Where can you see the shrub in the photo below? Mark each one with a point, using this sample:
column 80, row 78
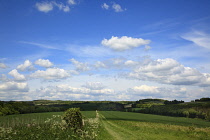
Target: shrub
column 73, row 118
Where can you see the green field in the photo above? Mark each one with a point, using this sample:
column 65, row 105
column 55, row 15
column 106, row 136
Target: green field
column 136, row 126
column 110, row 125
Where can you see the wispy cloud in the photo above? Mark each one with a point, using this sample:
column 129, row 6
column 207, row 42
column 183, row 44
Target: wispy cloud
column 71, row 2
column 45, row 46
column 199, row 38
column 116, row 7
column 3, row 66
column 105, row 6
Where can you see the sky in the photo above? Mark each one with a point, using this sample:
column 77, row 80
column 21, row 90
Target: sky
column 96, row 50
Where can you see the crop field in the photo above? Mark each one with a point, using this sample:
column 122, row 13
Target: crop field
column 104, row 125
column 136, row 126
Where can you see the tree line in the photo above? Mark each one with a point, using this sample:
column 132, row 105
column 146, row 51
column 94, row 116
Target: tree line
column 18, row 107
column 199, row 108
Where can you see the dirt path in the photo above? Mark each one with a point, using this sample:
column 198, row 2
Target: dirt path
column 116, row 131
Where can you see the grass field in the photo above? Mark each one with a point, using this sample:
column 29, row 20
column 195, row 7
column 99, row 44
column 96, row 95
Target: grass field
column 136, row 126
column 107, row 125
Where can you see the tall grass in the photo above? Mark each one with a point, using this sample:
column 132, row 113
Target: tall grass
column 45, row 126
column 137, row 126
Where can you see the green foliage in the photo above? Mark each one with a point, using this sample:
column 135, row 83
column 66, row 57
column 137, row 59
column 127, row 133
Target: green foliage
column 203, row 100
column 46, row 126
column 147, row 105
column 150, row 100
column 73, row 118
column 173, row 102
column 180, row 110
column 110, row 107
column 20, row 107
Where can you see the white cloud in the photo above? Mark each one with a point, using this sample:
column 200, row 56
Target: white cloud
column 71, row 2
column 199, row 38
column 79, row 65
column 169, row 71
column 51, row 74
column 3, row 66
column 17, row 76
column 124, row 43
column 61, row 6
column 117, row 8
column 44, row 63
column 65, row 91
column 14, row 86
column 66, row 9
column 45, row 46
column 44, row 6
column 3, row 77
column 144, row 89
column 131, row 63
column 26, row 66
column 105, row 6
column 49, row 6
column 94, row 85
column 99, row 64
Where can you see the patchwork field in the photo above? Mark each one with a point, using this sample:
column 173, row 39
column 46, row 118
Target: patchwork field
column 110, row 125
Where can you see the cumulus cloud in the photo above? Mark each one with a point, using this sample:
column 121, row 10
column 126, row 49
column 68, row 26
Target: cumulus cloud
column 26, row 66
column 83, row 90
column 146, row 91
column 105, row 6
column 3, row 66
column 117, row 8
column 71, row 2
column 65, row 91
column 199, row 38
column 124, row 43
column 44, row 63
column 94, row 85
column 17, row 76
column 51, row 74
column 44, row 6
column 49, row 6
column 81, row 67
column 14, row 86
column 131, row 63
column 145, row 88
column 169, row 71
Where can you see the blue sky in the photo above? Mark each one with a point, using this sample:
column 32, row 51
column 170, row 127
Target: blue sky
column 104, row 50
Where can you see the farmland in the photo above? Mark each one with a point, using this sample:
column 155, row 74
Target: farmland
column 109, row 125
column 123, row 125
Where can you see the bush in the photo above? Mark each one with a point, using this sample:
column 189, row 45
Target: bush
column 73, row 118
